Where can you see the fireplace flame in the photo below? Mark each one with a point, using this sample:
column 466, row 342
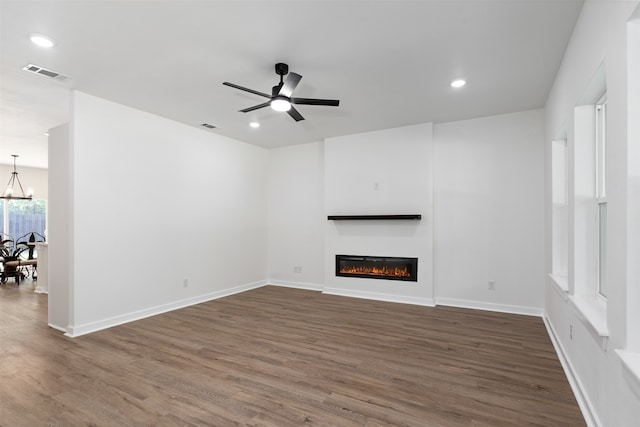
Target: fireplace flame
column 376, row 271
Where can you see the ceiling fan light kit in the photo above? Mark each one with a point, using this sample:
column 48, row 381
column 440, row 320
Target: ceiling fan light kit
column 280, row 103
column 281, row 95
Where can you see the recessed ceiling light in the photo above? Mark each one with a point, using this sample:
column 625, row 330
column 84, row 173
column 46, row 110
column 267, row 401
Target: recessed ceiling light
column 41, row 40
column 254, row 125
column 458, row 83
column 45, row 133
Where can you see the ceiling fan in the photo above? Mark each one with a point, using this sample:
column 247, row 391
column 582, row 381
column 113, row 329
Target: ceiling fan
column 280, row 98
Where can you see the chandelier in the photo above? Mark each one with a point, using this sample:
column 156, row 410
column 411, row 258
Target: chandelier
column 10, row 191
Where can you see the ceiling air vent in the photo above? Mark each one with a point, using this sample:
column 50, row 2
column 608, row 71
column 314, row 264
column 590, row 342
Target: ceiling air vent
column 208, row 126
column 43, row 71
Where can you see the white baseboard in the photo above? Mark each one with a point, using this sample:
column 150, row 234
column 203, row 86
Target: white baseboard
column 59, row 328
column 379, row 296
column 296, row 285
column 588, row 412
column 354, row 294
column 76, row 331
column 489, row 306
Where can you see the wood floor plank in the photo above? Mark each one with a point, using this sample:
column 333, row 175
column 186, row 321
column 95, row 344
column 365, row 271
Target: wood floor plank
column 282, row 357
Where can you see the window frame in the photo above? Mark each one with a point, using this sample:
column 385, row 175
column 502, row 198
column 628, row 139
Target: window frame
column 600, row 131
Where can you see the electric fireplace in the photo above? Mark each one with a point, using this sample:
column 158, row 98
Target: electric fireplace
column 377, row 267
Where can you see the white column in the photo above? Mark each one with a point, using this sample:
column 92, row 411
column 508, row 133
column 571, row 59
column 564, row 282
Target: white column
column 43, row 268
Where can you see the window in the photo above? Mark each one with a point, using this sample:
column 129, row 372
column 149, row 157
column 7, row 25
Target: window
column 601, row 190
column 590, row 209
column 20, row 217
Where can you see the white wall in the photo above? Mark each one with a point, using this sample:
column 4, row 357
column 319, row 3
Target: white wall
column 156, row 202
column 382, row 172
column 633, row 189
column 296, row 215
column 58, row 227
column 489, row 212
column 603, row 386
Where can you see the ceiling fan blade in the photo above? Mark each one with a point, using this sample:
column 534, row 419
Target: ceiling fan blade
column 295, row 114
column 313, row 101
column 289, row 85
column 246, row 89
column 255, row 107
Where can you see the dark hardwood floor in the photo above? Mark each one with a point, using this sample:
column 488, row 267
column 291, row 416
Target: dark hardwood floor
column 282, row 357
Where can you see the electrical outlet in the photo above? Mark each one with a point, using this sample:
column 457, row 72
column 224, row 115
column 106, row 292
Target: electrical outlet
column 376, row 186
column 492, row 285
column 297, row 269
column 185, row 283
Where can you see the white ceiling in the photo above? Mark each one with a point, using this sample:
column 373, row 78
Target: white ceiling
column 389, row 62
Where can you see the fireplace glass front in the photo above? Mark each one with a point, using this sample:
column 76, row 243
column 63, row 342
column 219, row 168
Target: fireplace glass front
column 377, row 267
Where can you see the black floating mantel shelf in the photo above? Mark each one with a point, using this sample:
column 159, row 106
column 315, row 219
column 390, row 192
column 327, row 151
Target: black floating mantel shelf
column 372, row 217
